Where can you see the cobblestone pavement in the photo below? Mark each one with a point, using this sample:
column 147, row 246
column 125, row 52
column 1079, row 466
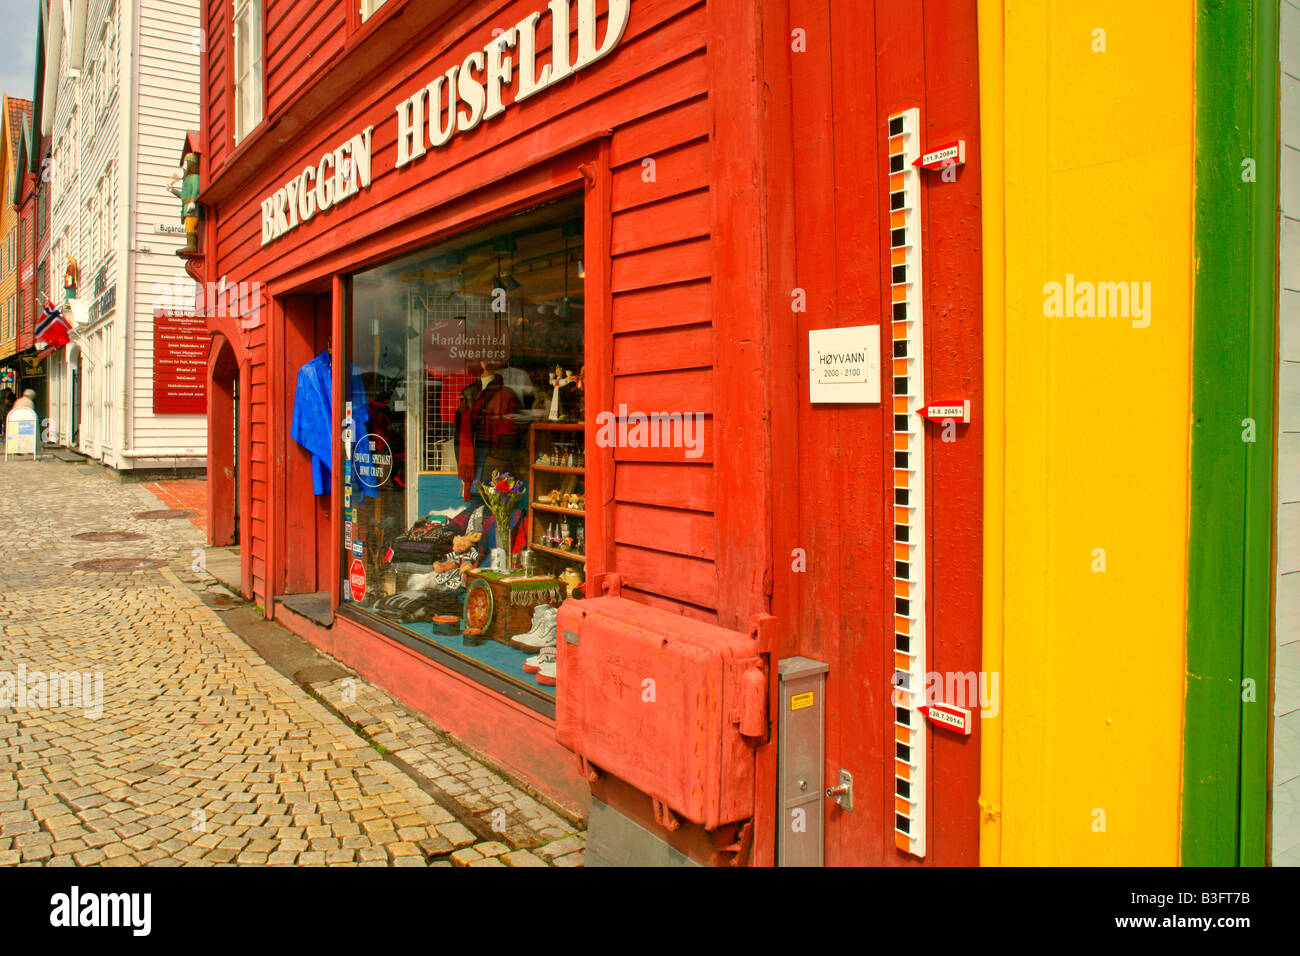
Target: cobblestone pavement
column 184, row 746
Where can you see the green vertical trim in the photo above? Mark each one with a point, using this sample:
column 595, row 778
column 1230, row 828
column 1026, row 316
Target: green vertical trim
column 1257, row 603
column 1230, row 522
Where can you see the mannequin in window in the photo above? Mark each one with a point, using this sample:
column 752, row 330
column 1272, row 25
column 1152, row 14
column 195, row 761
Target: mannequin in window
column 560, row 379
column 488, row 435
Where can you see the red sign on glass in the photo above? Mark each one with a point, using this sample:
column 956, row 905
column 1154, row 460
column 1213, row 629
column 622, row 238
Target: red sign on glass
column 180, row 364
column 357, row 579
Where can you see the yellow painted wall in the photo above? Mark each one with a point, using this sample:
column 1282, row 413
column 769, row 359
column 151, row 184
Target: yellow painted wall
column 8, row 223
column 1087, row 166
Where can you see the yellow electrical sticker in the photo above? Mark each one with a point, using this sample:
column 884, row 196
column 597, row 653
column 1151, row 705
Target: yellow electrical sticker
column 800, row 701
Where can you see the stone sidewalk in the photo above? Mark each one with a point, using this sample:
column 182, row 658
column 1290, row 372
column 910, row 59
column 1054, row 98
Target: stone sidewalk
column 166, row 740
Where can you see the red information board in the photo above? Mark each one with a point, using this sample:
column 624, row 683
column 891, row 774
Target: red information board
column 180, row 363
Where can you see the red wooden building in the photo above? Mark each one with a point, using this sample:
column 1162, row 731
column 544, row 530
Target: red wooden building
column 31, row 200
column 449, row 209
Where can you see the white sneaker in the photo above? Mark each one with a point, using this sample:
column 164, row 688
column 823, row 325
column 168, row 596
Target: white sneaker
column 543, row 632
column 546, row 669
column 544, row 656
column 538, row 613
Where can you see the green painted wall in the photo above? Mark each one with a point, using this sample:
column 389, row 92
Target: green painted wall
column 1233, row 372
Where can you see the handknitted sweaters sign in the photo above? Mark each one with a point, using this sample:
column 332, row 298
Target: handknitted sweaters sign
column 454, row 101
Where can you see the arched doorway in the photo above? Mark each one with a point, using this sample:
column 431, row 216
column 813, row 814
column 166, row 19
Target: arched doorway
column 223, row 444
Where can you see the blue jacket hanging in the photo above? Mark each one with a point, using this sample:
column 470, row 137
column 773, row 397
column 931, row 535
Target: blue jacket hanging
column 313, row 421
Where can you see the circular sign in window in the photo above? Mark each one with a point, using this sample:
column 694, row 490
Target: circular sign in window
column 372, row 461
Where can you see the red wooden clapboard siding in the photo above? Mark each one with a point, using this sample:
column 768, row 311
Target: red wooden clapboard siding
column 301, row 35
column 652, row 135
column 954, row 350
column 216, row 126
column 671, row 220
column 667, row 485
column 653, row 350
column 661, row 266
column 688, row 533
column 689, row 390
column 687, row 580
column 662, row 307
column 667, row 604
column 672, row 455
column 675, row 171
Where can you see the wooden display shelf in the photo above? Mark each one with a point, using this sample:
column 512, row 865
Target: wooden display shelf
column 560, row 510
column 540, row 511
column 557, row 552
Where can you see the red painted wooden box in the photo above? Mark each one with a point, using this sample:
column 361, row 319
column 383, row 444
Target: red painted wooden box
column 660, row 701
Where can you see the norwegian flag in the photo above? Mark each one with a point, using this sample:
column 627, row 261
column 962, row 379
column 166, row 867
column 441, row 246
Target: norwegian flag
column 52, row 329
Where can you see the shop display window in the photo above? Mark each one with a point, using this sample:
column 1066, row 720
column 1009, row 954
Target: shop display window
column 464, row 509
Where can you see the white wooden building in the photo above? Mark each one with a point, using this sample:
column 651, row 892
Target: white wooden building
column 120, row 89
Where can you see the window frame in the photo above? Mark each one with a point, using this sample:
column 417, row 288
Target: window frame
column 108, row 42
column 251, row 12
column 368, row 8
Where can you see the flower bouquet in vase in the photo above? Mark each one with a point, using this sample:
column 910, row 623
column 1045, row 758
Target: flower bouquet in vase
column 502, row 493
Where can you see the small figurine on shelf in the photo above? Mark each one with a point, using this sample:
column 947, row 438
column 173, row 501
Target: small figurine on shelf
column 572, row 579
column 559, row 379
column 577, row 397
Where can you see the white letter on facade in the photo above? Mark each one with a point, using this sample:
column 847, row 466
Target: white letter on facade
column 324, row 183
column 437, row 134
column 500, row 69
column 306, row 194
column 410, row 130
column 529, row 82
column 560, row 67
column 614, row 27
column 268, row 222
column 471, row 91
column 360, row 149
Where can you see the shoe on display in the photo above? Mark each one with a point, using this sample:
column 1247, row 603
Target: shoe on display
column 546, row 637
column 544, row 656
column 542, row 633
column 546, row 670
column 539, row 612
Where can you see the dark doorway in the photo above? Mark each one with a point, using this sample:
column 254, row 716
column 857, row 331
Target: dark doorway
column 306, row 556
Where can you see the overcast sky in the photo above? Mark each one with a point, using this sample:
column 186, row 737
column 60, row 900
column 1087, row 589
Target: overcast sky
column 18, row 47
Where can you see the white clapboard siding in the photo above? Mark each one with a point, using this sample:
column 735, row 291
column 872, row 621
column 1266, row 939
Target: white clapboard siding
column 167, row 106
column 137, row 132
